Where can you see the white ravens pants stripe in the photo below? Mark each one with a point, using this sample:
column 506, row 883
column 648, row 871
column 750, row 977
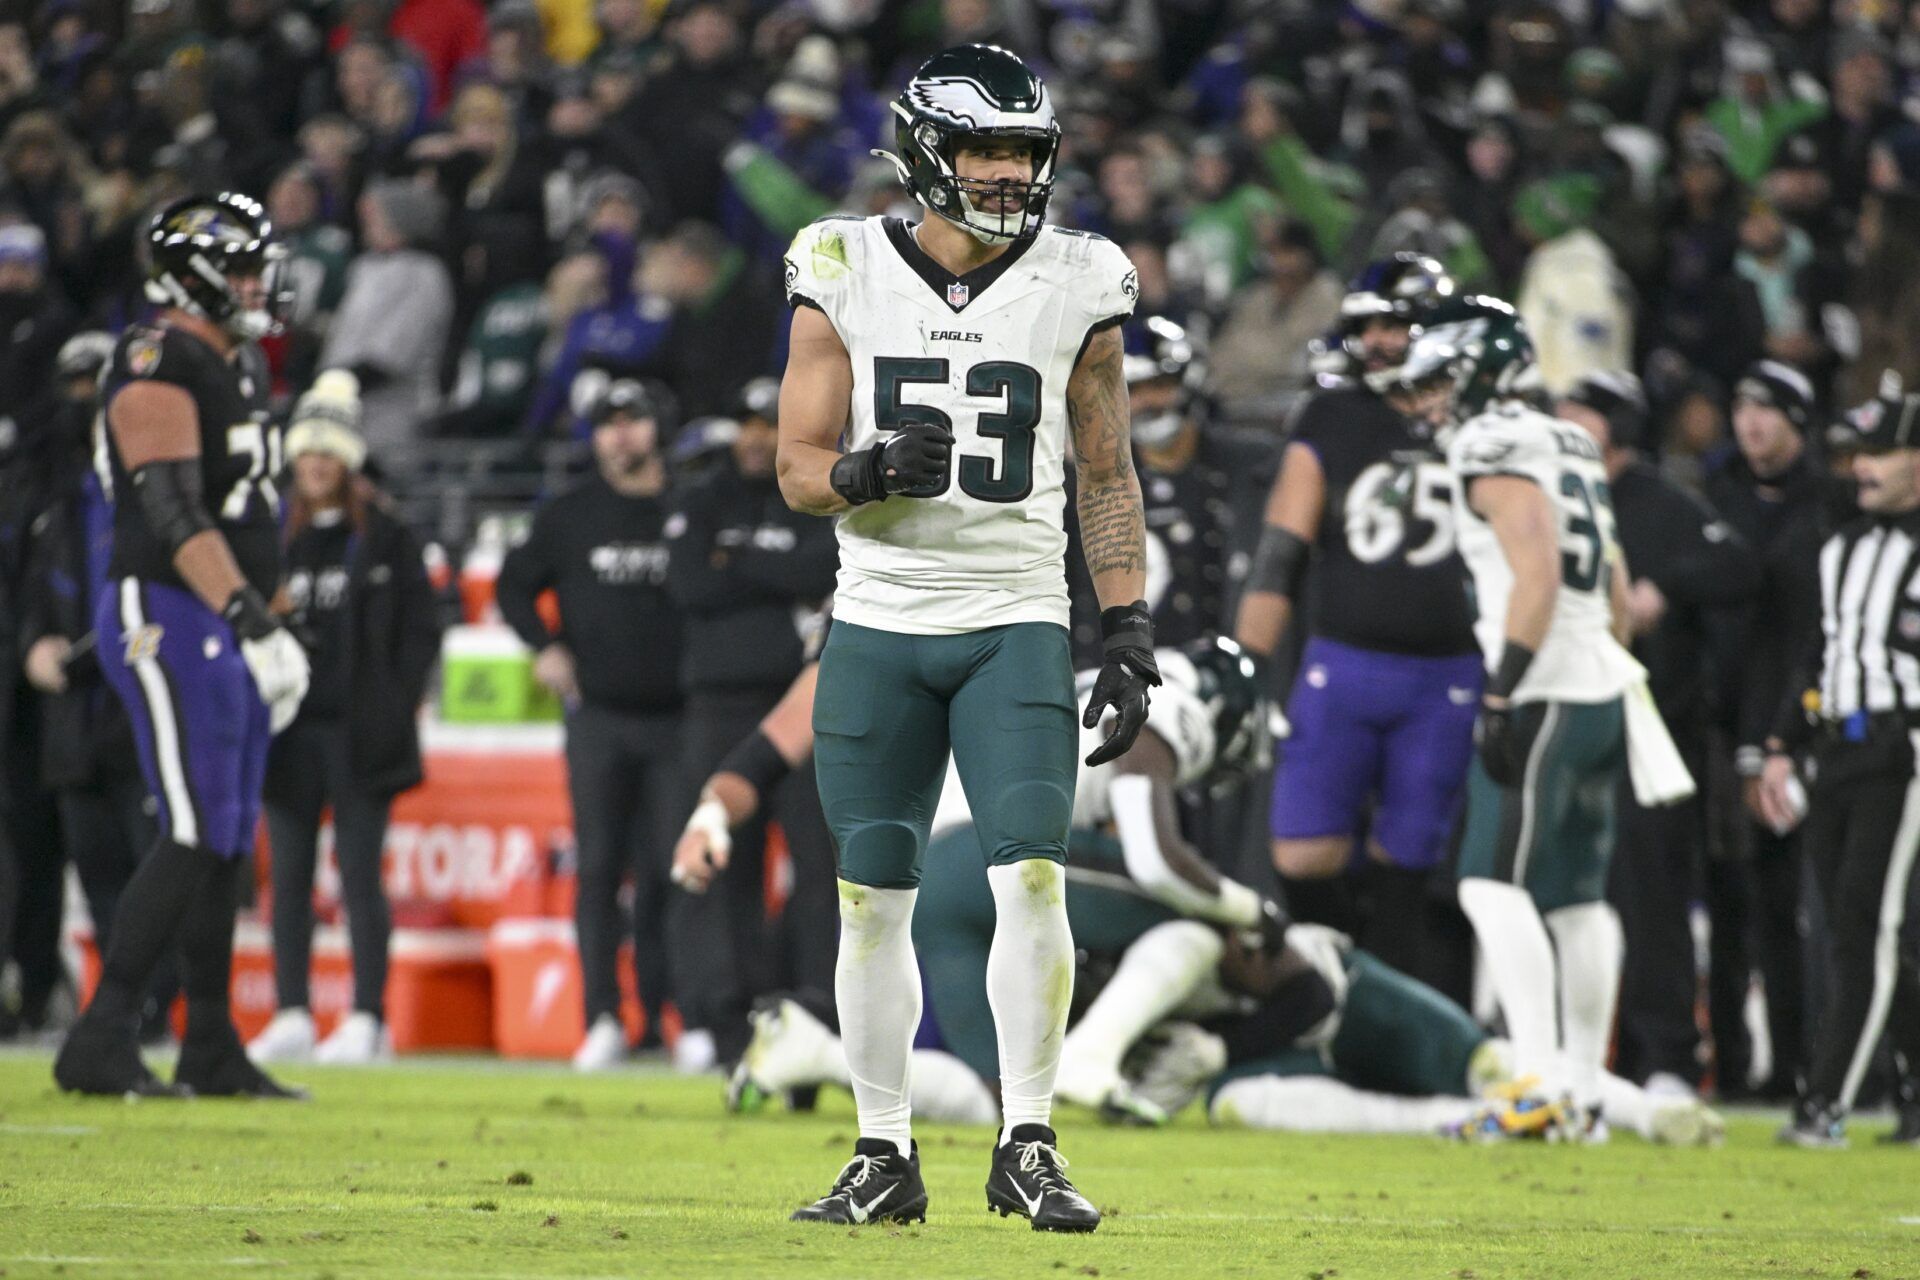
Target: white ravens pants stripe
column 158, row 695
column 1886, row 940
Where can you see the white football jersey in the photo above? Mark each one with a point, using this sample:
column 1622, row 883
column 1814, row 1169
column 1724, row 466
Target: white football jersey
column 986, row 355
column 1579, row 661
column 1175, row 715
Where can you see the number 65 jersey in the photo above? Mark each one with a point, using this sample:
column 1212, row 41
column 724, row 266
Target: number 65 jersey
column 986, row 355
column 1579, row 661
column 239, row 454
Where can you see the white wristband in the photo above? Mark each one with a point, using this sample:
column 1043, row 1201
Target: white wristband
column 710, row 819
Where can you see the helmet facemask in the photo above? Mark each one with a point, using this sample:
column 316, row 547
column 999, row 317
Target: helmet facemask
column 969, row 202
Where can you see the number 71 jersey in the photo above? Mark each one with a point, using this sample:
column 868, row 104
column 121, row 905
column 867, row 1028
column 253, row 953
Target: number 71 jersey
column 986, row 355
column 1580, row 661
column 239, row 453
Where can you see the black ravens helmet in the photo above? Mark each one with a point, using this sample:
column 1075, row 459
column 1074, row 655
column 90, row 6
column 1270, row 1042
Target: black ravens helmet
column 1405, row 287
column 975, row 91
column 200, row 248
column 1227, row 683
column 1158, row 348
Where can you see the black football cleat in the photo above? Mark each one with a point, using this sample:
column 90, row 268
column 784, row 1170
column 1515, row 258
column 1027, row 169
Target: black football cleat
column 1029, row 1179
column 1814, row 1126
column 1907, row 1132
column 878, row 1185
column 104, row 1060
column 218, row 1067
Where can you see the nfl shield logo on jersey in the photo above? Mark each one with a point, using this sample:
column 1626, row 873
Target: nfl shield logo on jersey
column 956, row 295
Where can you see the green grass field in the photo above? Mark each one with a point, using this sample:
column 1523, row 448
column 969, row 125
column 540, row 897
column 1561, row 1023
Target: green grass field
column 472, row 1170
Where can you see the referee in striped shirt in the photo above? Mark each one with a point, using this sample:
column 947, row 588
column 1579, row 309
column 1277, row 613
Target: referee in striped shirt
column 1855, row 725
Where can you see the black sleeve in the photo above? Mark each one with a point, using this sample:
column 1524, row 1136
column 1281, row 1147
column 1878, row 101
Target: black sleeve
column 1784, row 651
column 805, row 573
column 692, row 580
column 152, row 354
column 1314, row 426
column 34, row 594
column 416, row 626
column 529, row 569
column 1703, row 561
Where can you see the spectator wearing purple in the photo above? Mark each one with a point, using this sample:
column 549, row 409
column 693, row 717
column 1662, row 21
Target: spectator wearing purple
column 797, row 158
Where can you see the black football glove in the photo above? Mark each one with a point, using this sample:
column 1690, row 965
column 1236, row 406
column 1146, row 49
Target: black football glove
column 1124, row 676
column 912, row 461
column 1497, row 739
column 1274, row 923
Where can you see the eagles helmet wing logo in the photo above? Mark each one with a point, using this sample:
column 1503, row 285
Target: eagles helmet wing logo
column 966, row 103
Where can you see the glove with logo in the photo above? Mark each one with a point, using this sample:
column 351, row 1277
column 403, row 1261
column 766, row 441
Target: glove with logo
column 1124, row 678
column 278, row 663
column 913, row 462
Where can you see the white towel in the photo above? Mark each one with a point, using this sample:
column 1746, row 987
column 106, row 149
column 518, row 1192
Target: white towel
column 1660, row 776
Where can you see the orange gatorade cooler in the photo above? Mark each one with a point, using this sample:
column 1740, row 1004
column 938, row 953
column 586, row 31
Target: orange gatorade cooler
column 537, row 989
column 439, row 990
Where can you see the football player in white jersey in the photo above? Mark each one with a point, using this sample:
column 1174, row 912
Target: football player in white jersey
column 1536, row 530
column 936, row 373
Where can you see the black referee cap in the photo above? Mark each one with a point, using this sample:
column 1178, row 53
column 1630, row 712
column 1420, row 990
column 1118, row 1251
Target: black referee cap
column 1617, row 396
column 1778, row 386
column 1887, row 422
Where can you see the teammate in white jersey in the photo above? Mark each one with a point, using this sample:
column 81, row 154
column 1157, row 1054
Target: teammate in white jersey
column 1536, row 530
column 937, row 370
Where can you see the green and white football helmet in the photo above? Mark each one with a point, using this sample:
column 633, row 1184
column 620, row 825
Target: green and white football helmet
column 1476, row 345
column 974, row 91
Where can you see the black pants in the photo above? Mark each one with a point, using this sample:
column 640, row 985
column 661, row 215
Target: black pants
column 1752, row 888
column 736, row 952
column 629, row 788
column 108, row 828
column 307, row 771
column 1652, row 885
column 1861, row 835
column 30, row 829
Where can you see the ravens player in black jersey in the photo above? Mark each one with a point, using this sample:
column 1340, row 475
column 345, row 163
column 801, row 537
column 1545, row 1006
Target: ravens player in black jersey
column 186, row 639
column 1383, row 706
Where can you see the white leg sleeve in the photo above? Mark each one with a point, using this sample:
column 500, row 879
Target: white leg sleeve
column 1320, row 1104
column 1029, row 984
column 1156, row 976
column 876, row 985
column 1519, row 958
column 1592, row 950
column 947, row 1091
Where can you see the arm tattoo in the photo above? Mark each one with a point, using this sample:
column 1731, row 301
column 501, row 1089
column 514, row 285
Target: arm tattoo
column 1112, row 525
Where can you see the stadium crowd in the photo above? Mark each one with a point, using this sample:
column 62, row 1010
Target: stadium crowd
column 555, row 230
